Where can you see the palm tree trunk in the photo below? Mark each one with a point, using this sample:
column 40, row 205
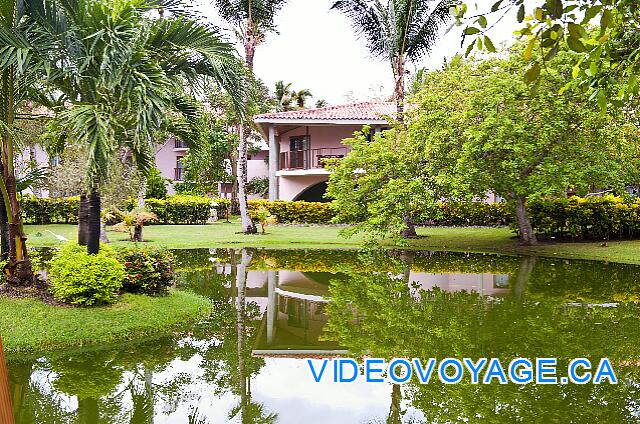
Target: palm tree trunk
column 18, row 268
column 93, row 241
column 6, row 410
column 83, row 220
column 398, row 92
column 4, row 231
column 248, row 227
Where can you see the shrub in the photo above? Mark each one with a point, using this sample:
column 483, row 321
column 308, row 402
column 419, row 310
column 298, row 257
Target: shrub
column 294, row 212
column 148, row 271
column 588, row 218
column 156, row 187
column 182, row 209
column 265, row 218
column 49, row 210
column 82, row 279
column 466, row 214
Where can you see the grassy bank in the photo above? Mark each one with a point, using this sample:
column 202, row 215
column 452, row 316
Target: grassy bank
column 29, row 325
column 493, row 240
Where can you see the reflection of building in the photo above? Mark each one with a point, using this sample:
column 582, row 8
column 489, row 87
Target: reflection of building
column 485, row 284
column 294, row 319
column 294, row 313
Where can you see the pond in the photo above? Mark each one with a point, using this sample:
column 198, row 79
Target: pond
column 274, row 309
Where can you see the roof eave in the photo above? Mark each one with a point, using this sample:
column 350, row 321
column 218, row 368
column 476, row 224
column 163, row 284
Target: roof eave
column 320, row 121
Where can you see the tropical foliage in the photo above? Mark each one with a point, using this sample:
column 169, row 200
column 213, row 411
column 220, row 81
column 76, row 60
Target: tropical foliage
column 602, row 33
column 484, row 131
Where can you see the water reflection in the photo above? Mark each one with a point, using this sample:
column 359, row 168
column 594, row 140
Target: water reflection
column 272, row 309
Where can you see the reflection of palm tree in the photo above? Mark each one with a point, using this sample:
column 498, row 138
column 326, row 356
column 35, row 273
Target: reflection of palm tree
column 250, row 412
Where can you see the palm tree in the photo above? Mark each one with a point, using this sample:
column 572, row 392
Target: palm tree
column 284, row 96
column 18, row 70
column 301, row 97
column 398, row 31
column 120, row 72
column 253, row 20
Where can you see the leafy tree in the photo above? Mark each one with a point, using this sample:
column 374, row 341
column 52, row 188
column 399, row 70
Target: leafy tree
column 398, row 31
column 119, row 69
column 379, row 183
column 483, row 130
column 206, row 163
column 605, row 34
column 253, row 19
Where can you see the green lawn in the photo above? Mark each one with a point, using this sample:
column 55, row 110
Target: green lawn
column 496, row 240
column 28, row 325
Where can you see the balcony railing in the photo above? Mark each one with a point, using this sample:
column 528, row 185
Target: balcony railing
column 311, row 158
column 179, row 144
column 178, row 174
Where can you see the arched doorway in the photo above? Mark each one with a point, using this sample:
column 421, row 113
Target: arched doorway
column 314, row 193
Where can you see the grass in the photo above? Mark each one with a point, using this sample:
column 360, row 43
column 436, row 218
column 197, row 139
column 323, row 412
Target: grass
column 471, row 239
column 28, row 325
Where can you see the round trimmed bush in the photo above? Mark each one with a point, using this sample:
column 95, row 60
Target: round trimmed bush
column 82, row 279
column 149, row 271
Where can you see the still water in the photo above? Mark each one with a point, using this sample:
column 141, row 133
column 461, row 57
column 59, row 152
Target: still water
column 273, row 309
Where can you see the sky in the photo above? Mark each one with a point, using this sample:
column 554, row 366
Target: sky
column 316, row 49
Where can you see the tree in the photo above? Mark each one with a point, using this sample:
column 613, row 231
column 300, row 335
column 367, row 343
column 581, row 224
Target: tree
column 605, row 34
column 398, row 31
column 379, row 183
column 482, row 130
column 284, row 96
column 18, row 69
column 120, row 72
column 301, row 97
column 206, row 163
column 253, row 20
column 289, row 99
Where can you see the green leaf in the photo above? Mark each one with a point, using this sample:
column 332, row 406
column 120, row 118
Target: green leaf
column 471, row 30
column 529, row 50
column 591, row 13
column 482, row 20
column 521, row 13
column 469, row 49
column 575, row 44
column 489, row 44
column 576, row 30
column 496, row 5
column 532, row 73
column 555, row 7
column 606, row 19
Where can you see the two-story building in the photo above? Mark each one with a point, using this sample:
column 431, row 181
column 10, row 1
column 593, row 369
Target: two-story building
column 299, row 140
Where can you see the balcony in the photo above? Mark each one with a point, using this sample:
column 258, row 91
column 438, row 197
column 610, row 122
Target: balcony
column 180, row 145
column 309, row 159
column 178, row 174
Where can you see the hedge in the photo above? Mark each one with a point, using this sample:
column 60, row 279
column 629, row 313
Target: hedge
column 295, row 212
column 587, row 218
column 182, row 209
column 459, row 214
column 49, row 210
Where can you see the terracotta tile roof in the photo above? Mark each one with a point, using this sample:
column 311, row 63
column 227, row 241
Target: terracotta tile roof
column 354, row 111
